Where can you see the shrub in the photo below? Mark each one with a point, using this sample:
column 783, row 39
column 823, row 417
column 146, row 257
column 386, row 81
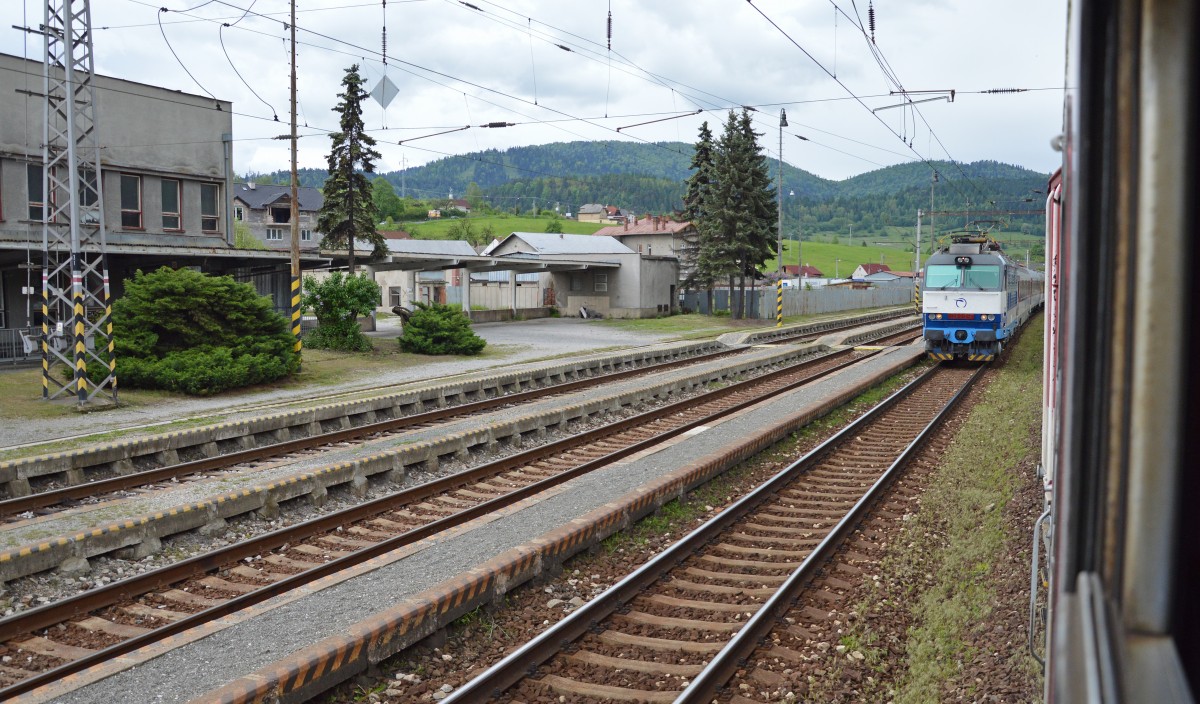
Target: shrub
column 184, row 331
column 435, row 328
column 338, row 300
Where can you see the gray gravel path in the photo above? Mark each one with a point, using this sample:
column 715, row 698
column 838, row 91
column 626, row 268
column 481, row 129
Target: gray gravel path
column 525, row 340
column 187, row 672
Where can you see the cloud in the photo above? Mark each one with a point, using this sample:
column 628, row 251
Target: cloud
column 455, row 66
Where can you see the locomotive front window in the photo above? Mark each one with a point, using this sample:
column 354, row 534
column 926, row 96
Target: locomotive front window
column 980, row 277
column 984, row 278
column 941, row 276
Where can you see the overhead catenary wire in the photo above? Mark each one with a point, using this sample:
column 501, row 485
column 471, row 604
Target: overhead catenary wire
column 846, row 88
column 567, row 116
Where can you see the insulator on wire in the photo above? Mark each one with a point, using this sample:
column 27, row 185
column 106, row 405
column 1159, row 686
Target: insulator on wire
column 871, row 20
column 385, row 46
column 610, row 30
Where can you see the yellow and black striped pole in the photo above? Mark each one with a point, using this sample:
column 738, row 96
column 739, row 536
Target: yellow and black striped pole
column 108, row 330
column 81, row 380
column 45, row 334
column 299, row 344
column 779, row 303
column 917, row 294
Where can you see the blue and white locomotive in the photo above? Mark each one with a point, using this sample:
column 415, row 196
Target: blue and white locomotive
column 973, row 299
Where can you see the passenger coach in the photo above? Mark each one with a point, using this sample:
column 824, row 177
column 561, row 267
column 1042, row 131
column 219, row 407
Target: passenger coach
column 974, row 298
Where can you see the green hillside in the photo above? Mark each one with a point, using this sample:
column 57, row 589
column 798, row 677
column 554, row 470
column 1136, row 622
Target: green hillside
column 649, row 178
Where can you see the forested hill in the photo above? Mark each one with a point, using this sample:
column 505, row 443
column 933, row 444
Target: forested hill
column 646, row 177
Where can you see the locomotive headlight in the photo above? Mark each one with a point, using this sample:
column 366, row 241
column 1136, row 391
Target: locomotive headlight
column 938, row 316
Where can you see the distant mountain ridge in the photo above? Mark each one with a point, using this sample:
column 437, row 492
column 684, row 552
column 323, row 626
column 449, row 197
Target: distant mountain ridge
column 646, row 177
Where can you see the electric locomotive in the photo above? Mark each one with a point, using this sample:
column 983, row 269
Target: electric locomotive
column 974, row 298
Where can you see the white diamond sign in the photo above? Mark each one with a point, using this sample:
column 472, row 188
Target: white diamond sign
column 385, row 91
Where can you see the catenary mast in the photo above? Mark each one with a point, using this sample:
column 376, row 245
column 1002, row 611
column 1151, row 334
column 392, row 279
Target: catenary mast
column 76, row 302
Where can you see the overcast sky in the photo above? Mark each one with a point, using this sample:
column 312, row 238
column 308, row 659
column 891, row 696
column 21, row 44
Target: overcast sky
column 455, row 66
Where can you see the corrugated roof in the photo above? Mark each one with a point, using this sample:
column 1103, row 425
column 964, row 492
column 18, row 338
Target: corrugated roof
column 263, row 196
column 449, row 248
column 554, row 243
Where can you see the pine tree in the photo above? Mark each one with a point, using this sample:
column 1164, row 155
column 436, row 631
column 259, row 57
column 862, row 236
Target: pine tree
column 735, row 215
column 349, row 211
column 696, row 203
column 758, row 230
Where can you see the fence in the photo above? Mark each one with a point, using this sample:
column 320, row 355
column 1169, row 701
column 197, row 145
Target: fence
column 12, row 347
column 760, row 302
column 493, row 296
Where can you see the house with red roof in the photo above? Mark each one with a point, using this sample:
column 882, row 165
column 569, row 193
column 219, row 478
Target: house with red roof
column 865, row 270
column 808, row 271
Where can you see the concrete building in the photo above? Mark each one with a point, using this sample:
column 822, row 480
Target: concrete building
column 618, row 282
column 655, row 236
column 591, row 212
column 266, row 211
column 166, row 179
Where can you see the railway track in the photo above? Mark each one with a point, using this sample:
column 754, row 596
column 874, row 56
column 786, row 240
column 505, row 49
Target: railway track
column 68, row 496
column 55, row 640
column 51, row 497
column 679, row 627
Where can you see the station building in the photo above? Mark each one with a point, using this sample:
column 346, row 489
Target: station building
column 527, row 274
column 166, row 179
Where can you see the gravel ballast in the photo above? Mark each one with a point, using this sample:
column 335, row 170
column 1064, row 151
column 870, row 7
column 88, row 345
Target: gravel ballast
column 246, row 646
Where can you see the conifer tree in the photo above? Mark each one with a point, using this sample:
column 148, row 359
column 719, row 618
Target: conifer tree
column 758, row 226
column 696, row 203
column 349, row 211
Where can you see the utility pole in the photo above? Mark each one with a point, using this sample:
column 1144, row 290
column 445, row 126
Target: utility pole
column 779, row 203
column 294, row 216
column 932, row 230
column 917, row 261
column 75, row 285
column 779, row 190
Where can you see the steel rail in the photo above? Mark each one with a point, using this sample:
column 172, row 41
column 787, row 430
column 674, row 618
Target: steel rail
column 496, row 679
column 13, row 506
column 58, row 612
column 704, row 686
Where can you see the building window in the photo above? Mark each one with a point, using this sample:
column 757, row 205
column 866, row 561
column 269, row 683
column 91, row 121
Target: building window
column 131, row 202
column 274, row 234
column 89, row 197
column 170, row 204
column 210, row 213
column 306, row 235
column 281, row 215
column 36, row 201
column 600, row 283
column 238, row 213
column 576, row 282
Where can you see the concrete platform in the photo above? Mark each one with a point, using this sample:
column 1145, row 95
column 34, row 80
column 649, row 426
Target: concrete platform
column 289, row 648
column 41, row 544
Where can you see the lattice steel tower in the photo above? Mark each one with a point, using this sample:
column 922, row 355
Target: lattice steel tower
column 76, row 304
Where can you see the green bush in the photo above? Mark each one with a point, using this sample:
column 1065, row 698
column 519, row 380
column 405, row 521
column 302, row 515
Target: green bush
column 435, row 328
column 338, row 300
column 342, row 335
column 184, row 331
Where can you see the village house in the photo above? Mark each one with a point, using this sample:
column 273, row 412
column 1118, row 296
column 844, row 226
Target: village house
column 266, row 211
